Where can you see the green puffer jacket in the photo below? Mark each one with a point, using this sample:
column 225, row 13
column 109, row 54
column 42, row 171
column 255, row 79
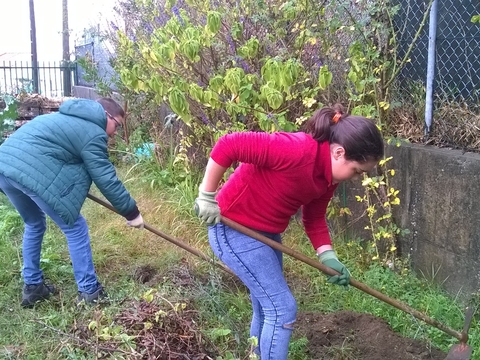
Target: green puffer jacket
column 57, row 156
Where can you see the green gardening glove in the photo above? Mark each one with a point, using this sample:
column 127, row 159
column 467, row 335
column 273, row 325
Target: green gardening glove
column 206, row 207
column 329, row 258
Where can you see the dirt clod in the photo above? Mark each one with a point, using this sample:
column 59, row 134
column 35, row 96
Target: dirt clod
column 143, row 274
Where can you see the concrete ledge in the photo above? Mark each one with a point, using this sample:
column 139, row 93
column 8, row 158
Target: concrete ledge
column 440, row 205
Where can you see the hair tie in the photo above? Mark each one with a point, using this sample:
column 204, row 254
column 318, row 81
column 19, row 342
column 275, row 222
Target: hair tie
column 336, row 117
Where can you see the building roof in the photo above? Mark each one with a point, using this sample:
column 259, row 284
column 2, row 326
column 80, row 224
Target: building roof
column 15, row 56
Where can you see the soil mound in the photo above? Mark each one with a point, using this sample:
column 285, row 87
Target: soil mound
column 348, row 335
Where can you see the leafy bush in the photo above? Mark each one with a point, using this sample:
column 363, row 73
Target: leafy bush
column 226, row 66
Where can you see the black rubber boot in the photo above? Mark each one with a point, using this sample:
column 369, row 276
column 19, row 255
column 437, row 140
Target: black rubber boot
column 35, row 293
column 97, row 297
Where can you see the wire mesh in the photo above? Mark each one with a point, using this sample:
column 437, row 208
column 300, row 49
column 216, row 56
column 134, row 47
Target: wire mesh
column 457, row 46
column 84, row 51
column 97, row 52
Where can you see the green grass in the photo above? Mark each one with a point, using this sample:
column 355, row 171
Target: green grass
column 53, row 329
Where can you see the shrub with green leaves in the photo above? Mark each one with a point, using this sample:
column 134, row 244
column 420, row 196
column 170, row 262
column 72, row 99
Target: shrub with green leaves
column 225, row 66
column 246, row 65
column 259, row 65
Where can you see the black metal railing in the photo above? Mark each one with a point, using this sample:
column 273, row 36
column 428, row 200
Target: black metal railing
column 55, row 79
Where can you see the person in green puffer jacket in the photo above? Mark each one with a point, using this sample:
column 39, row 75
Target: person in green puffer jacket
column 46, row 168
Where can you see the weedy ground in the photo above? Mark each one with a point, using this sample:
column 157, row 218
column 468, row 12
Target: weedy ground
column 168, row 304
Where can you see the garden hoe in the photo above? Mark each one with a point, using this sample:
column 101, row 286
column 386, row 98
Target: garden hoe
column 460, row 351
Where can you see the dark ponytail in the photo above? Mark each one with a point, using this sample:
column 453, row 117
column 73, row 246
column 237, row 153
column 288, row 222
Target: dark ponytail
column 359, row 136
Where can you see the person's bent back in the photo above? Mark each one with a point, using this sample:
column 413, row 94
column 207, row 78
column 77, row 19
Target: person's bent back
column 47, row 167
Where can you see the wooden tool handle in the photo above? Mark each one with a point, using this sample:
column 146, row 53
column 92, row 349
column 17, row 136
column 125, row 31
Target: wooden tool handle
column 173, row 240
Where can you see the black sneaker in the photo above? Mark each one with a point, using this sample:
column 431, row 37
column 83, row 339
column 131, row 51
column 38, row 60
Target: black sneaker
column 99, row 296
column 34, row 293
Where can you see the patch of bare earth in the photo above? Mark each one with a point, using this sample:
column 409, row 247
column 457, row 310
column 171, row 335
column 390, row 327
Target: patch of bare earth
column 347, row 335
column 162, row 329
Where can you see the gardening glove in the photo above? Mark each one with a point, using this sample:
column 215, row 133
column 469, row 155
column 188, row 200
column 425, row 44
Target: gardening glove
column 329, row 258
column 206, row 207
column 137, row 222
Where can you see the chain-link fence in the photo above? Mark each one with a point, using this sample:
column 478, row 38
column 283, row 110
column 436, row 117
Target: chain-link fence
column 457, row 58
column 97, row 53
column 84, row 51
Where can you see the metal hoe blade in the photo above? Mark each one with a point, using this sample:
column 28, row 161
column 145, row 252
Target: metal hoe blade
column 462, row 351
column 459, row 352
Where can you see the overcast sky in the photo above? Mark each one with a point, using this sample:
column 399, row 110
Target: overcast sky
column 15, row 25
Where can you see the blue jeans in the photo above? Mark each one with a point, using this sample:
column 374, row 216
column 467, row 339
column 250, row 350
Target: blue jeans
column 32, row 209
column 260, row 269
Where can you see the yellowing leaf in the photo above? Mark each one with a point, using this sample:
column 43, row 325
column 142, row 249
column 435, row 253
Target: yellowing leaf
column 367, row 181
column 309, row 102
column 153, row 56
column 384, row 105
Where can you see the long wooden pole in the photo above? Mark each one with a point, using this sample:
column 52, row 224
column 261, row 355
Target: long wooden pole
column 33, row 46
column 67, row 76
column 299, row 256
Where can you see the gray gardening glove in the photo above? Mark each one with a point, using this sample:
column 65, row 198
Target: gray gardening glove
column 137, row 222
column 329, row 258
column 206, row 207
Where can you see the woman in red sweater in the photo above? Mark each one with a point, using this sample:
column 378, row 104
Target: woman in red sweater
column 279, row 174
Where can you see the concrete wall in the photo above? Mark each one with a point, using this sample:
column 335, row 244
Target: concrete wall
column 440, row 205
column 84, row 92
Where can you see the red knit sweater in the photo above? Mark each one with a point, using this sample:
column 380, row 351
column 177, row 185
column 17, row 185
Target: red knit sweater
column 278, row 174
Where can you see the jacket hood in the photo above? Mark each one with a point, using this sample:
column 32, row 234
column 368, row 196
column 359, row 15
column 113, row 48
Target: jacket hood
column 86, row 109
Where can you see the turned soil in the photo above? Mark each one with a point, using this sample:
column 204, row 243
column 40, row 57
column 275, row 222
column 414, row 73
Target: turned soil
column 346, row 335
column 343, row 335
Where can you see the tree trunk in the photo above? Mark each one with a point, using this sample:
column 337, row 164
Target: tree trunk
column 33, row 47
column 67, row 75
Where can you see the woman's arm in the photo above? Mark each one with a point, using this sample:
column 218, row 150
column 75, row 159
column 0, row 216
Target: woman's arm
column 213, row 174
column 206, row 206
column 315, row 222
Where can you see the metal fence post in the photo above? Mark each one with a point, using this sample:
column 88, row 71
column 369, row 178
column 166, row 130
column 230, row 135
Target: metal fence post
column 67, row 78
column 432, row 39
